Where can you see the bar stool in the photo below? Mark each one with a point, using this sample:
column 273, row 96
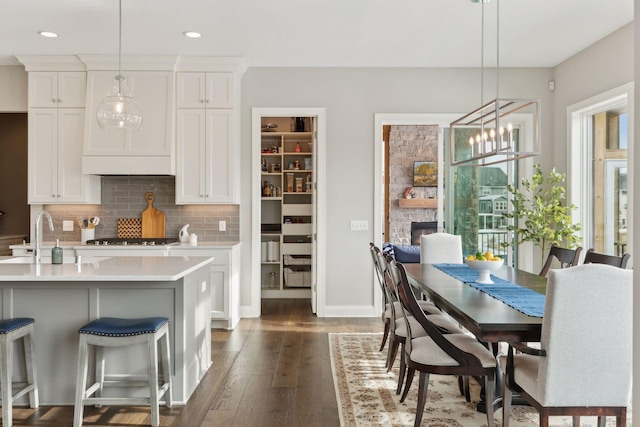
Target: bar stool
column 116, row 332
column 10, row 331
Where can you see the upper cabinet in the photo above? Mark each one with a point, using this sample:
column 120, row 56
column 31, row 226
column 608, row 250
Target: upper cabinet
column 55, row 149
column 208, row 161
column 206, row 90
column 57, row 89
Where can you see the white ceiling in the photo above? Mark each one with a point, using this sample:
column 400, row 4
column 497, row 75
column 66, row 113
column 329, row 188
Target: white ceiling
column 303, row 33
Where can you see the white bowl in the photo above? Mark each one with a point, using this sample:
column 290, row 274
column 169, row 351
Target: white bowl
column 484, row 269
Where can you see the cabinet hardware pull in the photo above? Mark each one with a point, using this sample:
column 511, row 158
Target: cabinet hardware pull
column 53, row 100
column 59, row 100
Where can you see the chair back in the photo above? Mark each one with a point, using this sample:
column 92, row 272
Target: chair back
column 565, row 257
column 373, row 249
column 593, row 257
column 440, row 248
column 587, row 336
column 410, row 305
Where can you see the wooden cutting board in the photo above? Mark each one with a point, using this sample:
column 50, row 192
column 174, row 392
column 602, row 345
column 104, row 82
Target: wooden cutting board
column 153, row 220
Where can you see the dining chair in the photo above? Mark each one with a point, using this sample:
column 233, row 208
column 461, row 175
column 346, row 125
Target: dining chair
column 564, row 256
column 593, row 257
column 397, row 328
column 392, row 309
column 399, row 332
column 385, row 296
column 438, row 353
column 588, row 311
column 440, row 248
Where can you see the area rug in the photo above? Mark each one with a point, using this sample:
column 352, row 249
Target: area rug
column 366, row 393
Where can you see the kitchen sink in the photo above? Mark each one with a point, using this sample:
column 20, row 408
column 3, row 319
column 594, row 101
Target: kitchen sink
column 66, row 260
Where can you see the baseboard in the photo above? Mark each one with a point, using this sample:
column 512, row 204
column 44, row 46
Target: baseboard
column 349, row 311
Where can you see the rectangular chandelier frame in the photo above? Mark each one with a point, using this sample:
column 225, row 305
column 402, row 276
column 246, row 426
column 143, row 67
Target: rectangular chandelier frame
column 496, row 141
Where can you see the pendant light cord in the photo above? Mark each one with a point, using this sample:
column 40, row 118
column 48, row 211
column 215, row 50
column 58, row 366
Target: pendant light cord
column 119, row 37
column 482, row 55
column 497, row 49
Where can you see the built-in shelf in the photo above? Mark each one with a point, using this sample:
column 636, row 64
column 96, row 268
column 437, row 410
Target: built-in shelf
column 418, row 203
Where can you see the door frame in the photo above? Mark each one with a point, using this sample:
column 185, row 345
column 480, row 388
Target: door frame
column 318, row 290
column 580, row 154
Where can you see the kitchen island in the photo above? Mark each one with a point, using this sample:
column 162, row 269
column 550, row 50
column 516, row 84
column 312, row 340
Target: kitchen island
column 62, row 298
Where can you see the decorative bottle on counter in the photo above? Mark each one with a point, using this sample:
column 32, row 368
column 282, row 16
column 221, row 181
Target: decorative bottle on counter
column 56, row 253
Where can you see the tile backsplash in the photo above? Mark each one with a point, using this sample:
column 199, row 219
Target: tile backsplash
column 123, row 197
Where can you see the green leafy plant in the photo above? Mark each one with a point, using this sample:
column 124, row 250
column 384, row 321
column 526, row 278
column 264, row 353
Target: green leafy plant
column 540, row 205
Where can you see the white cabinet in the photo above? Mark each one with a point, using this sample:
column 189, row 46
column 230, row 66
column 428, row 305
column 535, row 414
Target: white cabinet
column 225, row 282
column 55, row 154
column 206, row 90
column 57, row 89
column 208, row 138
column 206, row 155
column 149, row 151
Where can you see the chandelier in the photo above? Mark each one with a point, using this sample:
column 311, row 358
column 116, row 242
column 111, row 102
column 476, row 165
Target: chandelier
column 501, row 130
column 118, row 110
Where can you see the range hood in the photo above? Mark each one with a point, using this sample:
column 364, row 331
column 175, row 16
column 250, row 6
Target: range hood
column 151, row 150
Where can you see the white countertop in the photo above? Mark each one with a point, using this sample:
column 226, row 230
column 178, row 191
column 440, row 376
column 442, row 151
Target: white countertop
column 104, row 269
column 45, row 246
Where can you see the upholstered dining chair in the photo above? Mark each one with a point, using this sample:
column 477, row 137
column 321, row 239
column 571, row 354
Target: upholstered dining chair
column 399, row 332
column 564, row 257
column 439, row 248
column 438, row 353
column 583, row 365
column 385, row 296
column 391, row 308
column 593, row 257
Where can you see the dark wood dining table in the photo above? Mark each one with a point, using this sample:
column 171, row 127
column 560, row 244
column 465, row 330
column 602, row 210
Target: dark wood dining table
column 489, row 319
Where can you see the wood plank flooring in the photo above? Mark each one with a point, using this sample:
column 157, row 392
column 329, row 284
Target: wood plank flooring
column 270, row 371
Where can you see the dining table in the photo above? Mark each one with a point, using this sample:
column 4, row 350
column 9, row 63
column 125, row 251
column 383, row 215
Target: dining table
column 491, row 320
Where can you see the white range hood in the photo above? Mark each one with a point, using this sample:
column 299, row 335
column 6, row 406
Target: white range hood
column 150, row 151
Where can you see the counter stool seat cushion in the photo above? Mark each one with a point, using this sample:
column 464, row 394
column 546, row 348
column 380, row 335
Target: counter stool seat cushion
column 117, row 327
column 12, row 330
column 10, row 325
column 119, row 332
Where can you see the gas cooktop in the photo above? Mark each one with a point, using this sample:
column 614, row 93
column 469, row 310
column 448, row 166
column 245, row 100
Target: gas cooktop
column 145, row 241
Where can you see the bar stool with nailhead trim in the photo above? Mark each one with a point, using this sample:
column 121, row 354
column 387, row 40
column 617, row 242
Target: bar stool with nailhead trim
column 10, row 331
column 117, row 332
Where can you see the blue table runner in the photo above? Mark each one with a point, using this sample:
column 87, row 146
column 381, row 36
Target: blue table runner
column 522, row 299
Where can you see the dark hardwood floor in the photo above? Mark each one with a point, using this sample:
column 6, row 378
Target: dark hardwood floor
column 270, row 371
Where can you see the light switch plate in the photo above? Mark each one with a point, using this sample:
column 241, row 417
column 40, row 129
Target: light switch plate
column 67, row 225
column 222, row 225
column 359, row 225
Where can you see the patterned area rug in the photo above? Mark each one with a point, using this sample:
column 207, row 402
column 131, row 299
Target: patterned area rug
column 366, row 393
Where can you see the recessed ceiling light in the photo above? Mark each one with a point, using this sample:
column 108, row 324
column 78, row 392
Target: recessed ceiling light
column 47, row 34
column 192, row 34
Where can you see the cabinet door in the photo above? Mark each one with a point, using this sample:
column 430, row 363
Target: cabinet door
column 219, row 292
column 72, row 87
column 191, row 157
column 191, row 90
column 219, row 90
column 43, row 155
column 220, row 156
column 43, row 89
column 57, row 89
column 73, row 186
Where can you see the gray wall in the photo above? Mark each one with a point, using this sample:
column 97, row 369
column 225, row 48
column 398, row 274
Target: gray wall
column 352, row 96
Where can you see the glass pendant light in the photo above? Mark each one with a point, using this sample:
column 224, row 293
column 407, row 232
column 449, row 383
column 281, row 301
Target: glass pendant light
column 119, row 111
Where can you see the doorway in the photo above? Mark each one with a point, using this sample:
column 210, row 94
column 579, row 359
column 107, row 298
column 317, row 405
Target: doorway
column 288, row 205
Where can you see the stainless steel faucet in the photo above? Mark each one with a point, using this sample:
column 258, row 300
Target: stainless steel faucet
column 36, row 252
